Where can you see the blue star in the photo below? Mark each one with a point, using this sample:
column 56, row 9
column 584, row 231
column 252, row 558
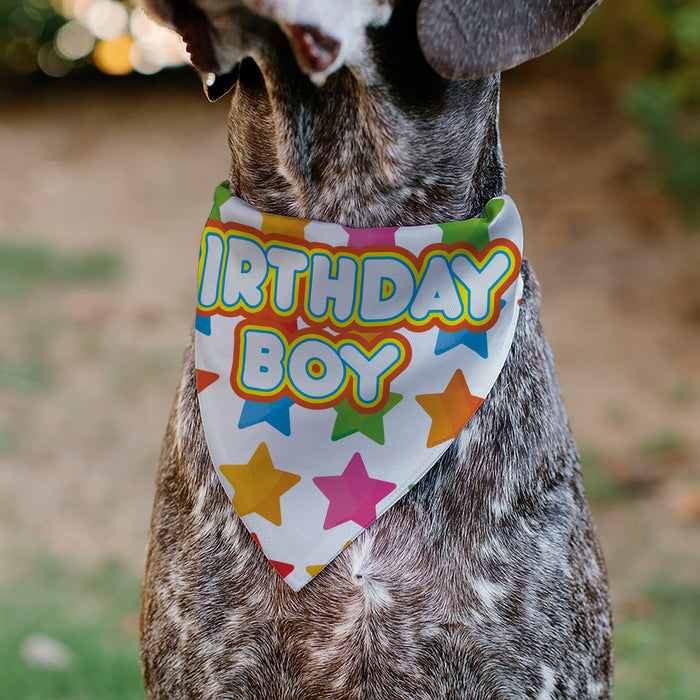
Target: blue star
column 275, row 413
column 203, row 324
column 474, row 341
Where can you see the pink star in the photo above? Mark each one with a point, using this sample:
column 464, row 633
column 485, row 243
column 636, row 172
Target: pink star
column 352, row 495
column 361, row 237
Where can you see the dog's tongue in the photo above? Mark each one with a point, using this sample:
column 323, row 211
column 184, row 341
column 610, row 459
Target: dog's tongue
column 314, row 50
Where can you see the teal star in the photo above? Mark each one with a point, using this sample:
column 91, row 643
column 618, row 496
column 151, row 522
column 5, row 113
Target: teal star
column 275, row 413
column 350, row 421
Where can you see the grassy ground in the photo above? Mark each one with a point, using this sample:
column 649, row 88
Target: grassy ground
column 93, row 619
column 87, row 618
column 657, row 644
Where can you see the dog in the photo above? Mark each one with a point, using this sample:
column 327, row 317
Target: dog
column 486, row 580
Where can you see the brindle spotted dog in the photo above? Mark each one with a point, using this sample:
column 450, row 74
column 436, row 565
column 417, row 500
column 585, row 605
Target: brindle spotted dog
column 486, row 581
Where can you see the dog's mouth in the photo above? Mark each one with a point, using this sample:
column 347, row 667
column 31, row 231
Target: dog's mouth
column 219, row 33
column 315, row 51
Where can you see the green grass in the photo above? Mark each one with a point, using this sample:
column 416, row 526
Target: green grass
column 667, row 443
column 27, row 375
column 658, row 653
column 602, row 487
column 681, row 394
column 28, row 266
column 95, row 618
column 8, row 440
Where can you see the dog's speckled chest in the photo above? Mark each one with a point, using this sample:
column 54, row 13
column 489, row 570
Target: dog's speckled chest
column 435, row 600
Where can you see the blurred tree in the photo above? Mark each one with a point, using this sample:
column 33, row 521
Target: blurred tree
column 649, row 52
column 27, row 29
column 666, row 101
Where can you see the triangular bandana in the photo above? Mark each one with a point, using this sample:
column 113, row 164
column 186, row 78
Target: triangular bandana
column 336, row 365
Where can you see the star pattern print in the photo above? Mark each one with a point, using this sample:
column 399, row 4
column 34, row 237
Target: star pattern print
column 469, row 339
column 275, row 414
column 315, row 569
column 353, row 495
column 203, row 324
column 205, row 379
column 282, row 568
column 307, row 479
column 285, row 225
column 449, row 410
column 362, row 237
column 350, row 421
column 474, row 341
column 258, row 485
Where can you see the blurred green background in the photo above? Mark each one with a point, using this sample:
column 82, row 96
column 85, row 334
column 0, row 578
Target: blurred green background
column 109, row 156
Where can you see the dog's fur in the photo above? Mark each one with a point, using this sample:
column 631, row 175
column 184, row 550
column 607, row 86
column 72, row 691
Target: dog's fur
column 486, row 580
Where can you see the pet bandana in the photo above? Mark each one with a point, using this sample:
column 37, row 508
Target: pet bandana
column 335, row 365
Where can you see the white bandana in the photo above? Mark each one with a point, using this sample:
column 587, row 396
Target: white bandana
column 336, row 365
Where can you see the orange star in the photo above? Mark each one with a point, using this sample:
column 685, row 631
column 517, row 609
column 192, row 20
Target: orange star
column 259, row 486
column 284, row 225
column 369, row 337
column 450, row 410
column 205, row 379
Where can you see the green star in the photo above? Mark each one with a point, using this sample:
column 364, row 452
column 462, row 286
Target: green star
column 221, row 195
column 474, row 231
column 350, row 421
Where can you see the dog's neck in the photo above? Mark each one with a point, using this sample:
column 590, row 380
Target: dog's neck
column 388, row 143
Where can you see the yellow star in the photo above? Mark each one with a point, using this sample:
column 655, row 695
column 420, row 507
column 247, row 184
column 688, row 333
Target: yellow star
column 450, row 410
column 259, row 486
column 315, row 569
column 284, row 225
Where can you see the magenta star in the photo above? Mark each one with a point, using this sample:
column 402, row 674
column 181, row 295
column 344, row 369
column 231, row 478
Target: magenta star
column 352, row 495
column 361, row 237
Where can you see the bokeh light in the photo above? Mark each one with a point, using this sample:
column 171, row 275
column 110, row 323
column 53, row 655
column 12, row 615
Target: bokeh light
column 58, row 36
column 112, row 55
column 26, row 20
column 52, row 63
column 107, row 19
column 154, row 46
column 20, row 55
column 73, row 41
